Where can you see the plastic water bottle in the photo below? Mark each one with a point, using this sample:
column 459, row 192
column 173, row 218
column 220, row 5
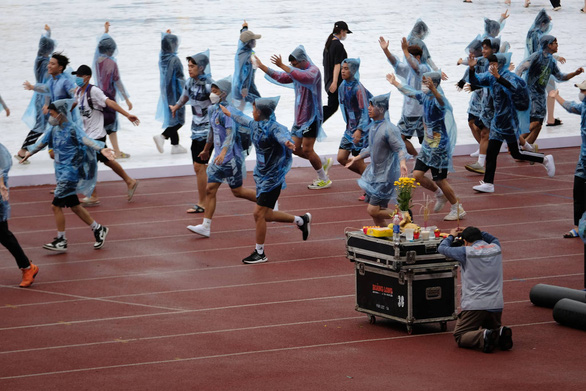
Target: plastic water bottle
column 396, row 228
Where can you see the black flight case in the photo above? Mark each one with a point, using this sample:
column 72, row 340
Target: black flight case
column 409, row 282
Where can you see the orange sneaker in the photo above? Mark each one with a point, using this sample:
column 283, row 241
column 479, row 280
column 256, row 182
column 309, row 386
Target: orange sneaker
column 28, row 276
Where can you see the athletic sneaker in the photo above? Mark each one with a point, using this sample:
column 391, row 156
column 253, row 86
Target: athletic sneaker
column 484, row 187
column 559, row 7
column 100, row 235
column 453, row 215
column 549, row 165
column 475, row 153
column 490, row 340
column 200, row 230
column 159, row 142
column 58, row 244
column 177, row 149
column 306, row 226
column 327, row 165
column 475, row 167
column 505, row 338
column 255, row 257
column 28, row 276
column 320, row 184
column 439, row 203
column 20, row 158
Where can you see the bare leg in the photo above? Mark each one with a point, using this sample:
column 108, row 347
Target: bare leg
column 550, row 109
column 114, row 141
column 343, row 156
column 424, row 181
column 243, row 192
column 448, row 191
column 210, row 204
column 83, row 214
column 410, row 148
column 117, row 168
column 307, row 147
column 484, row 133
column 378, row 214
column 59, row 217
column 202, row 179
column 534, row 129
column 474, row 130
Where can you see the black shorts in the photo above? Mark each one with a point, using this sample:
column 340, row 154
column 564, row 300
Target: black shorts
column 437, row 174
column 536, row 119
column 101, row 158
column 66, row 202
column 472, row 117
column 197, row 147
column 269, row 199
column 310, row 132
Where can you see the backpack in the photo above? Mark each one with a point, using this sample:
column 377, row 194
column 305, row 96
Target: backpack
column 88, row 94
column 520, row 94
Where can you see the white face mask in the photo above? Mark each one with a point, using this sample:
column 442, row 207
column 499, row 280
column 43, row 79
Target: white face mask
column 424, row 89
column 53, row 121
column 581, row 96
column 214, row 98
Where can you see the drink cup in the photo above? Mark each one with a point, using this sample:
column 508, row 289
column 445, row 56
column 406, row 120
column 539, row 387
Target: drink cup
column 424, row 235
column 409, row 234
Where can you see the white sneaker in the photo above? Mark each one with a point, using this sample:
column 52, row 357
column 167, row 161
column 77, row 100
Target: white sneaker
column 159, row 142
column 455, row 214
column 200, row 230
column 439, row 203
column 320, row 184
column 475, row 167
column 177, row 149
column 559, row 7
column 327, row 165
column 549, row 165
column 475, row 153
column 484, row 187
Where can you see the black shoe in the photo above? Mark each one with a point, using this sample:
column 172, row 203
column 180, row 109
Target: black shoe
column 100, row 235
column 58, row 244
column 305, row 227
column 255, row 257
column 505, row 338
column 490, row 340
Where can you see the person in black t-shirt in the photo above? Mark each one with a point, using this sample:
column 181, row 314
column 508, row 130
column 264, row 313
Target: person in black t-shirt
column 334, row 54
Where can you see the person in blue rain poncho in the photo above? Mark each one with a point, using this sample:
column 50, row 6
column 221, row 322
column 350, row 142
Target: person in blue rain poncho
column 541, row 26
column 34, row 116
column 418, row 33
column 107, row 78
column 172, row 82
column 411, row 71
column 506, row 88
column 243, row 87
column 228, row 162
column 579, row 191
column 7, row 238
column 197, row 91
column 75, row 170
column 306, row 79
column 387, row 155
column 273, row 144
column 438, row 144
column 353, row 98
column 537, row 70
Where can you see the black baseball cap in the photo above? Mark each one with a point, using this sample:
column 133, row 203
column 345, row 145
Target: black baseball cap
column 342, row 26
column 83, row 70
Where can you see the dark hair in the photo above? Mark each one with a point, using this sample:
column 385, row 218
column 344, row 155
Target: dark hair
column 291, row 58
column 492, row 58
column 52, row 107
column 61, row 59
column 471, row 234
column 487, row 42
column 415, row 50
column 337, row 30
column 191, row 60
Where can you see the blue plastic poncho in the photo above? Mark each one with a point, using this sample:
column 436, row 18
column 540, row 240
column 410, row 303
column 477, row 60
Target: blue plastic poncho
column 5, row 164
column 537, row 70
column 541, row 26
column 197, row 93
column 386, row 149
column 416, row 37
column 354, row 98
column 582, row 228
column 273, row 158
column 307, row 83
column 244, row 71
column 440, row 127
column 75, row 161
column 107, row 77
column 506, row 120
column 33, row 116
column 492, row 28
column 412, row 77
column 172, row 81
column 580, row 109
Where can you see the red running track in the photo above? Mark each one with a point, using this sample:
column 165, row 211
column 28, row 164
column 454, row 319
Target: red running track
column 160, row 308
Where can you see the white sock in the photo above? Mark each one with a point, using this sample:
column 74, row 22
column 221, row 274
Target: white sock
column 321, row 174
column 439, row 193
column 298, row 220
column 260, row 248
column 207, row 223
column 454, row 206
column 528, row 147
column 481, row 159
column 61, row 234
column 95, row 225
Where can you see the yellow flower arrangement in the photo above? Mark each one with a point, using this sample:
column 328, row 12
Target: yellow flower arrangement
column 404, row 187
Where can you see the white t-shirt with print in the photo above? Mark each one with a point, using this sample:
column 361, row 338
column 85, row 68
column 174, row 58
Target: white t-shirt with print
column 93, row 120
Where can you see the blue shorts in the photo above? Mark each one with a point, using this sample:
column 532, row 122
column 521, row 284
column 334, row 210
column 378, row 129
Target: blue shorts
column 347, row 145
column 375, row 201
column 229, row 172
